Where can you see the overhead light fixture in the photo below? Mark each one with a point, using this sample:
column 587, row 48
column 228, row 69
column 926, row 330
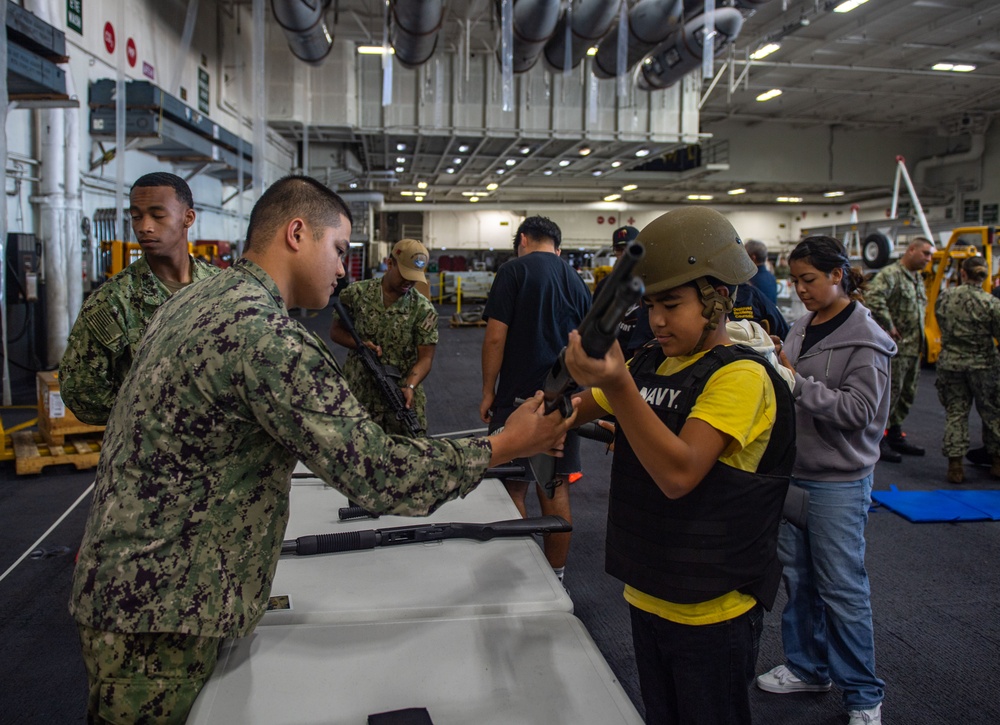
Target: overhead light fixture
column 421, row 184
column 400, row 169
column 764, row 51
column 501, row 172
column 699, row 197
column 585, row 151
column 406, row 193
column 547, row 172
column 463, row 148
column 832, row 194
column 768, row 95
column 469, row 193
column 353, row 185
column 615, row 164
column 401, row 147
column 510, row 162
column 456, row 161
column 400, row 159
column 612, row 197
column 419, row 193
column 789, row 199
column 630, row 187
column 373, row 50
column 525, row 149
column 492, row 186
column 473, row 199
column 734, row 192
column 564, row 162
column 592, row 51
column 849, row 5
column 419, row 198
column 449, row 170
column 642, row 152
column 954, row 67
column 596, row 172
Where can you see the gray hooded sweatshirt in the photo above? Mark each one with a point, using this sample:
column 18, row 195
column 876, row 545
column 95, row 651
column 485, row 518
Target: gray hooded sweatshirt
column 841, row 397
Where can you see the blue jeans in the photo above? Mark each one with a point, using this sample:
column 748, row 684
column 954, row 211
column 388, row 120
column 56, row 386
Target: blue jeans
column 826, row 627
column 696, row 675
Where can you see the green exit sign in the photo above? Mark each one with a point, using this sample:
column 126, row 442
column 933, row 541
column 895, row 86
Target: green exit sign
column 74, row 15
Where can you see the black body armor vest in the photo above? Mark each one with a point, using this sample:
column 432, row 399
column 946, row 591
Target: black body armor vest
column 721, row 536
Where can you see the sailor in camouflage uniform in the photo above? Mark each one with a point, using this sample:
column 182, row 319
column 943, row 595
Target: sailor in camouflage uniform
column 968, row 368
column 112, row 321
column 400, row 325
column 225, row 394
column 897, row 300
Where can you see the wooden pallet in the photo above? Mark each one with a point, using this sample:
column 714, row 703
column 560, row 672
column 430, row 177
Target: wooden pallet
column 32, row 453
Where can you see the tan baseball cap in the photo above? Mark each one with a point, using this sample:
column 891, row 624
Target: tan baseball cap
column 412, row 258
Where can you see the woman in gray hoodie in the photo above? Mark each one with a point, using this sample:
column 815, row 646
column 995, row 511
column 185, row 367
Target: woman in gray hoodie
column 840, row 357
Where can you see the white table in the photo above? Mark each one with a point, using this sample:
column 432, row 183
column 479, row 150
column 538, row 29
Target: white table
column 456, row 577
column 524, row 669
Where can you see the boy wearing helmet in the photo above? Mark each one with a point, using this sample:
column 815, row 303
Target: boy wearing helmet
column 703, row 450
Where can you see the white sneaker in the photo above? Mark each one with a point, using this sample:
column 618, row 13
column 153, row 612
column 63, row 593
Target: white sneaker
column 866, row 717
column 781, row 680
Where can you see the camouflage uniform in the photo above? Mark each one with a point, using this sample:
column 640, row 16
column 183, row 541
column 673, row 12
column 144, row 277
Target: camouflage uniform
column 897, row 298
column 968, row 367
column 398, row 330
column 190, row 506
column 104, row 339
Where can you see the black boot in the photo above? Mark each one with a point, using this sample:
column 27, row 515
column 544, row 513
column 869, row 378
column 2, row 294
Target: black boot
column 897, row 441
column 979, row 456
column 886, row 453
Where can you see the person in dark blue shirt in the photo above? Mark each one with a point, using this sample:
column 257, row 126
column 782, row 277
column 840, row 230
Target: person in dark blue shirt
column 763, row 280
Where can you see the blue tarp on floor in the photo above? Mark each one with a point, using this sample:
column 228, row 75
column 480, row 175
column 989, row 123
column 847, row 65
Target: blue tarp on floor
column 942, row 505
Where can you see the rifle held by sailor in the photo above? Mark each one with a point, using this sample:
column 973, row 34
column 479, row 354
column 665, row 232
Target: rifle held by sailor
column 423, row 533
column 385, row 376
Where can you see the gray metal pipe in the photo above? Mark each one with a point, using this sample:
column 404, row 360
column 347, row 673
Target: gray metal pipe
column 413, row 30
column 534, row 23
column 591, row 20
column 682, row 52
column 305, row 28
column 650, row 22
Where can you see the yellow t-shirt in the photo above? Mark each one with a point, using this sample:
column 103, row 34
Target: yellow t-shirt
column 737, row 400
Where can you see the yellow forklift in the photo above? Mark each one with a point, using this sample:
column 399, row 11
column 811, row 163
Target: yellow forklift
column 942, row 272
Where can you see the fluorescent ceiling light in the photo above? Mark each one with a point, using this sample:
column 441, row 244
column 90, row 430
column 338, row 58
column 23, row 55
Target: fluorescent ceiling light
column 832, row 194
column 547, row 172
column 954, row 67
column 630, row 187
column 419, row 198
column 612, row 197
column 615, row 164
column 406, row 193
column 585, row 151
column 564, row 162
column 473, row 199
column 422, row 185
column 734, row 192
column 468, row 193
column 373, row 50
column 510, row 162
column 463, row 148
column 642, row 152
column 401, row 147
column 400, row 169
column 400, row 159
column 449, row 170
column 419, row 193
column 525, row 149
column 699, row 197
column 596, row 172
column 491, row 186
column 789, row 199
column 501, row 172
column 456, row 161
column 764, row 51
column 848, row 6
column 768, row 95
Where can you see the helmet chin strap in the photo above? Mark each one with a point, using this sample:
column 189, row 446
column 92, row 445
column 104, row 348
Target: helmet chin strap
column 715, row 307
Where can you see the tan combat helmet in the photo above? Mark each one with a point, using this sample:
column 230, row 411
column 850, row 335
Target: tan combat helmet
column 694, row 244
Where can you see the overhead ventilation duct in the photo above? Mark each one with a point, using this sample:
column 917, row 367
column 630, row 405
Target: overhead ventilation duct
column 977, row 146
column 590, row 21
column 682, row 52
column 413, row 30
column 534, row 23
column 650, row 22
column 305, row 28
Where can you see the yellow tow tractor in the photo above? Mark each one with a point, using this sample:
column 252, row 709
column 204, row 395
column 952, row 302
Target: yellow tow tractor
column 942, row 272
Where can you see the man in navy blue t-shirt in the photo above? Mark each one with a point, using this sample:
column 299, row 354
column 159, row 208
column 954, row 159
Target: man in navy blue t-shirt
column 535, row 300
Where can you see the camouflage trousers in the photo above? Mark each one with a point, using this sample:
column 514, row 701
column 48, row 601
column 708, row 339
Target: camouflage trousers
column 149, row 678
column 903, row 387
column 957, row 389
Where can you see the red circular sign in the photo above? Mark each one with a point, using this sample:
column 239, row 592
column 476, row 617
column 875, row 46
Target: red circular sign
column 600, row 220
column 130, row 52
column 109, row 37
column 611, row 220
